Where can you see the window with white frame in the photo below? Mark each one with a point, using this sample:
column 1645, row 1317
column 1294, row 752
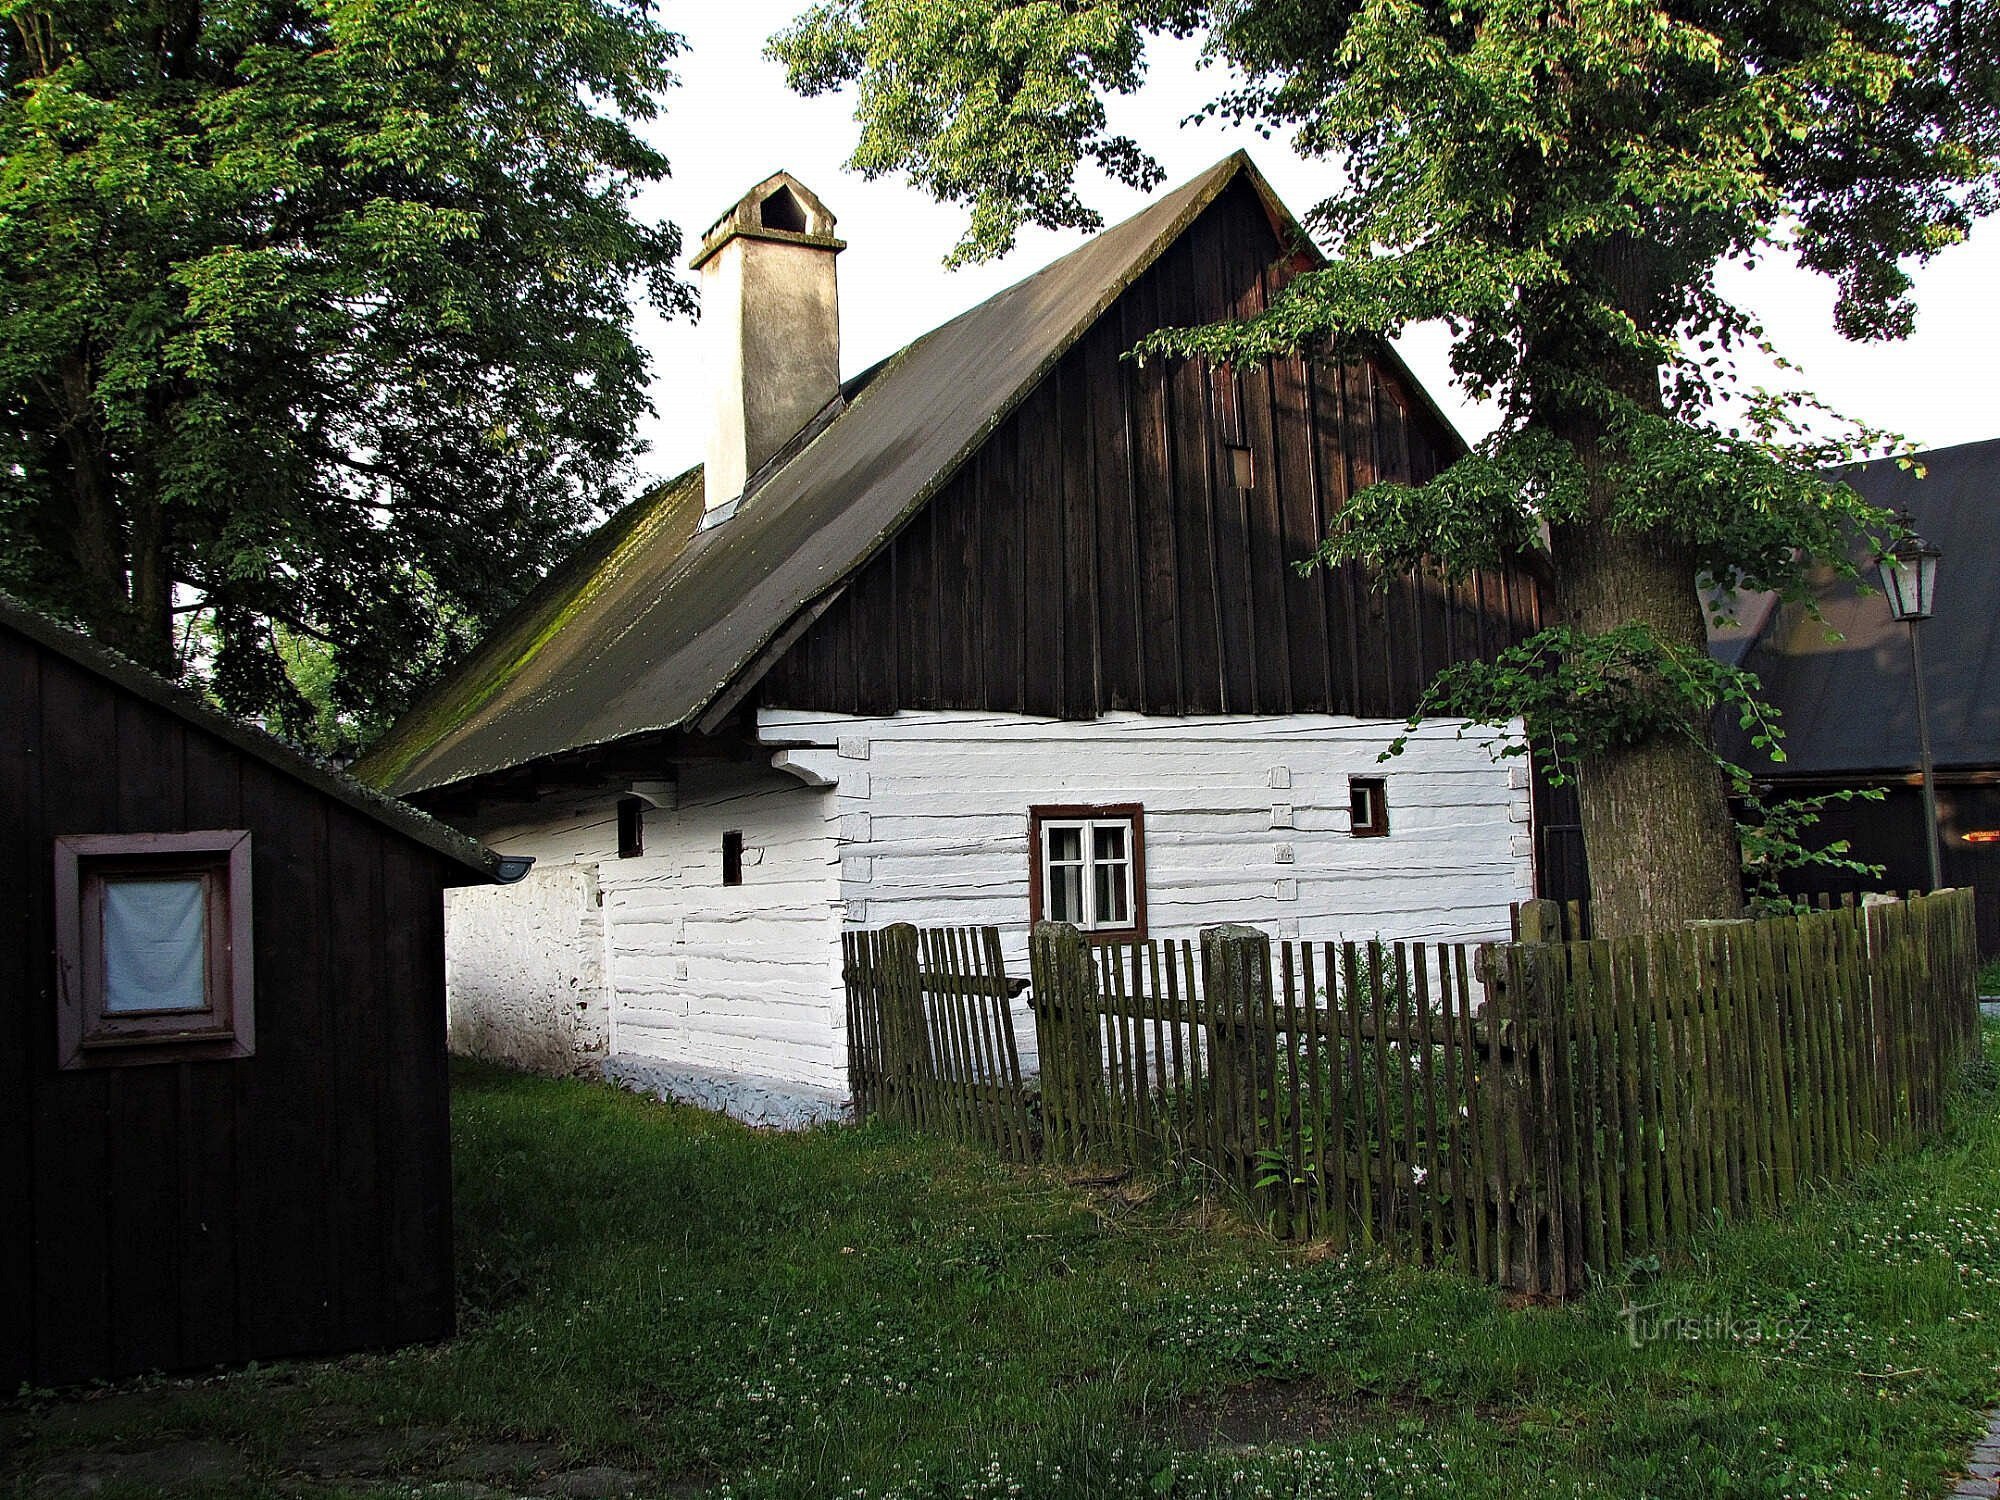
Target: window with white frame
column 1089, row 868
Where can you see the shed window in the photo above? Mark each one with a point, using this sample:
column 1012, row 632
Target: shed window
column 1089, row 868
column 153, row 947
column 1367, row 807
column 631, row 827
column 732, row 857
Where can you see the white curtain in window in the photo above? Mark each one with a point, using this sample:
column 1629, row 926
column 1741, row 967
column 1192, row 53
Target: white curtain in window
column 155, row 945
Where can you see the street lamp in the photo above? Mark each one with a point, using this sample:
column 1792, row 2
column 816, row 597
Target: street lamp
column 1909, row 578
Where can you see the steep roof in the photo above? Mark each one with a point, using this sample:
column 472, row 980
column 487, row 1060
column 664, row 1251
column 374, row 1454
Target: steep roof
column 658, row 616
column 398, row 817
column 1844, row 686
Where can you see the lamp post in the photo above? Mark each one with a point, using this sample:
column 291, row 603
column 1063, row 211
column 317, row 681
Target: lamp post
column 1909, row 578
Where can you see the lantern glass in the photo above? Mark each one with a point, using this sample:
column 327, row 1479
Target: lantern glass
column 1909, row 578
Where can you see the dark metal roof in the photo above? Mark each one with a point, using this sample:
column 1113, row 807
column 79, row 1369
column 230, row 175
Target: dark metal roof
column 398, row 817
column 656, row 618
column 1843, row 684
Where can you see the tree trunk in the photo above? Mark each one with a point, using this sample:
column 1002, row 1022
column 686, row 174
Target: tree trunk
column 1657, row 829
column 1656, row 823
column 125, row 585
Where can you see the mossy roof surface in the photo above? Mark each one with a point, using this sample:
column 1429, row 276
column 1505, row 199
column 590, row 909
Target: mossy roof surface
column 654, row 617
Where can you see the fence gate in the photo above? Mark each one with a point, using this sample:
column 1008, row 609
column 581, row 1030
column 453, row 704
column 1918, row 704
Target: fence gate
column 930, row 1039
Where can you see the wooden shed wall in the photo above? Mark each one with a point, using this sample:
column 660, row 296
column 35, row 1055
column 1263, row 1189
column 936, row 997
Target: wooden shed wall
column 178, row 1215
column 1092, row 555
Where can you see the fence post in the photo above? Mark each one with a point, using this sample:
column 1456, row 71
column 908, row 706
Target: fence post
column 1064, row 999
column 907, row 1053
column 1243, row 1049
column 1538, row 921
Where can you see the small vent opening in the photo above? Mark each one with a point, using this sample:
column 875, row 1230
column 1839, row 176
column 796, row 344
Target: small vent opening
column 782, row 210
column 1242, row 468
column 732, row 857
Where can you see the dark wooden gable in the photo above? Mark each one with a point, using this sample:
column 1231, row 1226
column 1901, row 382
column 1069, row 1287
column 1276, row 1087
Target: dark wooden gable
column 1094, row 554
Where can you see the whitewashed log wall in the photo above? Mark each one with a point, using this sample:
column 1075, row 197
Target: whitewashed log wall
column 732, row 995
column 713, row 990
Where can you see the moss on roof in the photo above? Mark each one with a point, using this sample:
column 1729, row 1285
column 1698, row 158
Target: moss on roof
column 654, row 527
column 656, row 618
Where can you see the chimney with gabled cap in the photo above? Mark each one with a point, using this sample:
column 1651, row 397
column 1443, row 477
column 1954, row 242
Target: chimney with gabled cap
column 771, row 310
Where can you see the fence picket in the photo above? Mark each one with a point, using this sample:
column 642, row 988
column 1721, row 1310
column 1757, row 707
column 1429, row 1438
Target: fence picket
column 1586, row 1102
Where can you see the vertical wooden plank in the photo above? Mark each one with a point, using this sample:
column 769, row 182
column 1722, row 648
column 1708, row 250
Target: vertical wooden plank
column 27, row 1031
column 1406, row 1089
column 416, row 1162
column 1374, row 653
column 1480, row 1094
column 1638, row 1218
column 1434, row 1170
column 1314, row 1128
column 1582, row 1009
column 144, row 1142
column 1559, row 1044
column 1696, row 969
column 364, row 1141
column 1610, row 1060
column 1295, row 1125
column 1333, row 1126
column 71, row 1112
column 1360, row 1109
column 964, row 1003
column 1457, row 1062
column 1385, row 1148
column 1299, row 536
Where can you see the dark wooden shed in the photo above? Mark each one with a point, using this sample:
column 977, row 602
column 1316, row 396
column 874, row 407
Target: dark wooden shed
column 223, row 1110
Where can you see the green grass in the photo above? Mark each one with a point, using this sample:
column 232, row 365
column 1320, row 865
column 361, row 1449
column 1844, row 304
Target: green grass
column 1989, row 977
column 864, row 1313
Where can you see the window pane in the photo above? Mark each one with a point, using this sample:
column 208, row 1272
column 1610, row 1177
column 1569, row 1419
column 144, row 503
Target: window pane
column 155, row 945
column 1108, row 842
column 1066, row 892
column 1111, row 911
column 1065, row 843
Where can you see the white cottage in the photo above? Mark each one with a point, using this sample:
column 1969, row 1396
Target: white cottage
column 1006, row 627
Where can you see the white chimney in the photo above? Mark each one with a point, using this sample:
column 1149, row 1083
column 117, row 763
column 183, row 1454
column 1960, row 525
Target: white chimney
column 771, row 314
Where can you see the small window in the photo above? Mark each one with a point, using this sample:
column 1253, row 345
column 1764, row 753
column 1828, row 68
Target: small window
column 1367, row 807
column 782, row 210
column 732, row 857
column 1089, row 868
column 631, row 827
column 153, row 947
column 1242, row 469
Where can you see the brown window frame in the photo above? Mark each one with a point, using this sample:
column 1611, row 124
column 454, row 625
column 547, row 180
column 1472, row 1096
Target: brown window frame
column 1132, row 813
column 88, row 1037
column 1378, row 827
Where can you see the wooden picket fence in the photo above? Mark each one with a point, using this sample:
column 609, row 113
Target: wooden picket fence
column 930, row 1035
column 1530, row 1112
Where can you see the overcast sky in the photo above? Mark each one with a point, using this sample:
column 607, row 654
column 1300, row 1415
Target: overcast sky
column 733, row 122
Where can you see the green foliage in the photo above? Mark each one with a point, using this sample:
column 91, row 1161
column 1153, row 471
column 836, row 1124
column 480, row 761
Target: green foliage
column 1560, row 184
column 1583, row 695
column 314, row 322
column 1772, row 834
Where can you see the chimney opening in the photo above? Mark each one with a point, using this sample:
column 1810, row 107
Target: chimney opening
column 782, row 210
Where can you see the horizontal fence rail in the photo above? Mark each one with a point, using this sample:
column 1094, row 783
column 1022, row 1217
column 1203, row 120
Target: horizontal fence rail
column 1530, row 1112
